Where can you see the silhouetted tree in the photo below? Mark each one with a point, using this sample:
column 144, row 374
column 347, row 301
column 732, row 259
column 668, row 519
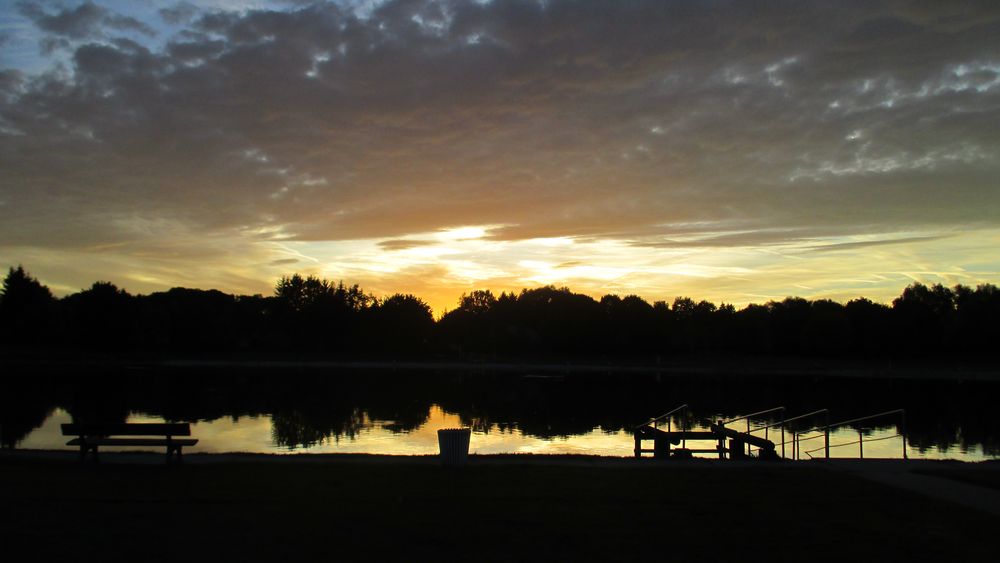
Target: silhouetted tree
column 827, row 330
column 100, row 318
column 752, row 330
column 870, row 325
column 401, row 323
column 977, row 319
column 630, row 325
column 189, row 321
column 692, row 324
column 27, row 310
column 318, row 316
column 922, row 318
column 478, row 302
column 557, row 321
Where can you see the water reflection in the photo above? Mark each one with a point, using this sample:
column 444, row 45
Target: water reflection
column 400, row 413
column 261, row 434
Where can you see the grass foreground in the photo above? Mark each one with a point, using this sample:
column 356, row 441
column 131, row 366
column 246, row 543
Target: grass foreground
column 374, row 510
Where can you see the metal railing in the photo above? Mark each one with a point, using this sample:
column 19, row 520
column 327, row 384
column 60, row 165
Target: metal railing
column 795, row 435
column 861, row 438
column 749, row 430
column 782, row 424
column 655, row 421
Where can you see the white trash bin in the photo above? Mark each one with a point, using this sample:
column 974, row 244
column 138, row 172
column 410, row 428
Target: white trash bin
column 454, row 446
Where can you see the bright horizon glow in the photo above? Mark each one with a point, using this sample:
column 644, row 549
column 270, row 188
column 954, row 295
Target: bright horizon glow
column 449, row 263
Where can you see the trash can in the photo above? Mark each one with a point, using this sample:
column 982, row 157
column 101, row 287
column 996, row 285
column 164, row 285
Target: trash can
column 454, row 445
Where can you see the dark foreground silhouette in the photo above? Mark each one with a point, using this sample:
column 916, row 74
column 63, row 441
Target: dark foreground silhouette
column 370, row 511
column 314, row 318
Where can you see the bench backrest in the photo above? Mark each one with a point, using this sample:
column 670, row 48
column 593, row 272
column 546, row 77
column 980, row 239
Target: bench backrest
column 128, row 429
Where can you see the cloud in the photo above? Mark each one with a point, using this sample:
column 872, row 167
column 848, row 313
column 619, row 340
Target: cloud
column 84, row 22
column 403, row 244
column 870, row 243
column 660, row 124
column 179, row 14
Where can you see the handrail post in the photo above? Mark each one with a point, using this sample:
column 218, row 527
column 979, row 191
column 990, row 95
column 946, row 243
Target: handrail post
column 826, row 435
column 902, row 432
column 782, row 433
column 748, row 432
column 861, row 444
column 683, row 433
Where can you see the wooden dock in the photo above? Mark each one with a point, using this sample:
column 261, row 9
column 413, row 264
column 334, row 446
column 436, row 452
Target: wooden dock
column 731, row 443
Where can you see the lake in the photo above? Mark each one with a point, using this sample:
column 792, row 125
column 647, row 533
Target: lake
column 344, row 411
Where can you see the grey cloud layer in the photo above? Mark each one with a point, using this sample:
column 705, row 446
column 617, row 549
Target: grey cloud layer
column 85, row 21
column 637, row 120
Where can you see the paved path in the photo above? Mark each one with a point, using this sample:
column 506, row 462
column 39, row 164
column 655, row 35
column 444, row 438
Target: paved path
column 900, row 473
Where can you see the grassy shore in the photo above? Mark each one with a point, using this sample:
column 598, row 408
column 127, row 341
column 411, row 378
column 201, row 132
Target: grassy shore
column 372, row 510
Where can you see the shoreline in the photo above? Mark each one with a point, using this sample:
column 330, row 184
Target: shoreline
column 149, row 456
column 674, row 368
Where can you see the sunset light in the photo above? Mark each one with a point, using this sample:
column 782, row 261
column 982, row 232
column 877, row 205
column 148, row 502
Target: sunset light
column 463, row 145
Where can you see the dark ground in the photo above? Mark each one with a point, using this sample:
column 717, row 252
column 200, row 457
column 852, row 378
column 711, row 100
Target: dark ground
column 987, row 476
column 411, row 509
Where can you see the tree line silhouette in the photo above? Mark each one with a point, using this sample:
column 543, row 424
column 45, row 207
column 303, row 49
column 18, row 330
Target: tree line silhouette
column 313, row 317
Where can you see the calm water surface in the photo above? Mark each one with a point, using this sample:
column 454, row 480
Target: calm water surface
column 400, row 414
column 256, row 434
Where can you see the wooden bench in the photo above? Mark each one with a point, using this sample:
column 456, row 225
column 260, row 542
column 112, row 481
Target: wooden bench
column 89, row 437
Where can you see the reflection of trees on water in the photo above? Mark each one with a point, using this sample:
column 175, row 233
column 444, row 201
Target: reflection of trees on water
column 309, row 408
column 24, row 406
column 399, row 414
column 294, row 429
column 17, row 420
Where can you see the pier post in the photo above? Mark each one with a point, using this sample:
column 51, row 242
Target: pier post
column 661, row 447
column 902, row 432
column 722, row 440
column 737, row 449
column 826, row 436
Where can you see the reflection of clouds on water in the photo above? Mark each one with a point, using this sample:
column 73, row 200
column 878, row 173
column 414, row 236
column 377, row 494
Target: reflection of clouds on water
column 255, row 434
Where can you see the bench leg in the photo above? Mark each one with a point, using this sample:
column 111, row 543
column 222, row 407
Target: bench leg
column 173, row 451
column 84, row 448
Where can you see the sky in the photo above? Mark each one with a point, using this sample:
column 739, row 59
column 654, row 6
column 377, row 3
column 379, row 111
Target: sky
column 731, row 151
